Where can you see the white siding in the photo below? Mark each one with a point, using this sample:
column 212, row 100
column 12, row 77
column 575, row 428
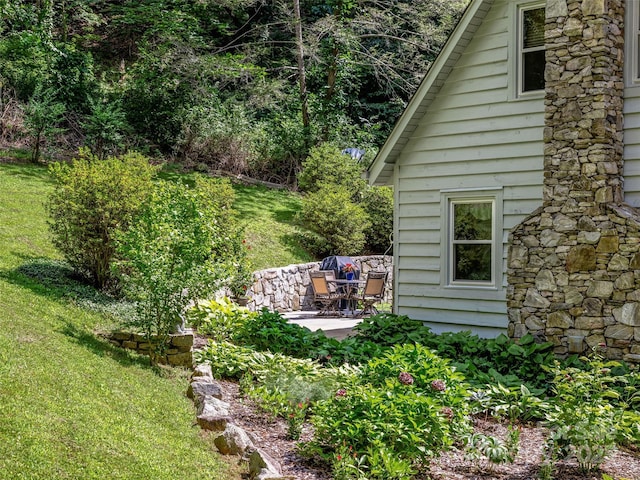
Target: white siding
column 473, row 136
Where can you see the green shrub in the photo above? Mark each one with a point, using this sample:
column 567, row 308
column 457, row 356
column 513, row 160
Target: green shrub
column 409, row 400
column 330, row 213
column 388, row 329
column 43, row 117
column 584, row 418
column 326, row 166
column 378, row 203
column 180, row 249
column 270, row 331
column 219, row 319
column 90, row 202
column 104, row 128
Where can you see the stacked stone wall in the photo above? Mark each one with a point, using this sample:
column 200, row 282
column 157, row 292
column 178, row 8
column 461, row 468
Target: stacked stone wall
column 286, row 289
column 178, row 354
column 574, row 264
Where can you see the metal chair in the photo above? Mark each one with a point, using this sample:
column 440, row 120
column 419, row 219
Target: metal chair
column 372, row 293
column 324, row 295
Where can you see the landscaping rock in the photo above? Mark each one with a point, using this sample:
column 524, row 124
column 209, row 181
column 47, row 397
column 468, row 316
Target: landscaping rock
column 215, row 424
column 263, row 467
column 199, row 389
column 233, row 441
column 212, row 406
column 202, row 373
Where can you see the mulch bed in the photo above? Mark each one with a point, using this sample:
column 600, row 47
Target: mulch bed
column 272, row 435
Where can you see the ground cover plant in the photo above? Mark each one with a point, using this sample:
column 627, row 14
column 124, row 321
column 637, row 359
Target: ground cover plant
column 370, row 419
column 72, row 405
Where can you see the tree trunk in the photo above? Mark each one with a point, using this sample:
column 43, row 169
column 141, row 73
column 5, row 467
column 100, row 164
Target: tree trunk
column 302, row 77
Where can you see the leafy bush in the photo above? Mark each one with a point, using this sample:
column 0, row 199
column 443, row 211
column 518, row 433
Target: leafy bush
column 270, row 331
column 219, row 319
column 584, row 420
column 180, row 249
column 338, row 222
column 90, row 202
column 43, row 116
column 378, row 203
column 327, row 166
column 388, row 329
column 409, row 400
column 483, row 361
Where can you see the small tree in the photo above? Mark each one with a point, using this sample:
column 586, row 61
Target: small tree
column 325, row 165
column 378, row 203
column 43, row 115
column 338, row 223
column 180, row 249
column 104, row 128
column 91, row 200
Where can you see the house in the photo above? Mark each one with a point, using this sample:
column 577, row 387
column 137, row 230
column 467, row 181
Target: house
column 512, row 214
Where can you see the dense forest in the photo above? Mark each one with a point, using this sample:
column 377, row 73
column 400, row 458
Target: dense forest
column 246, row 86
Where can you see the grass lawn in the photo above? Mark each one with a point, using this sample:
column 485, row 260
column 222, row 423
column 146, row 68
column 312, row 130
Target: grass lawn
column 268, row 216
column 71, row 405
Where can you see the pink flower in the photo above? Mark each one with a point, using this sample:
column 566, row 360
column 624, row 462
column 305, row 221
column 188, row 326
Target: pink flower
column 341, row 393
column 405, row 378
column 438, row 385
column 447, row 412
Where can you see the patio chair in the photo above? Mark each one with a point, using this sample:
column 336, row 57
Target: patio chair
column 372, row 293
column 324, row 295
column 330, row 275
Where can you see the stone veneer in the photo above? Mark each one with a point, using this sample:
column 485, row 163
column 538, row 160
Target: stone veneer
column 574, row 264
column 178, row 354
column 288, row 288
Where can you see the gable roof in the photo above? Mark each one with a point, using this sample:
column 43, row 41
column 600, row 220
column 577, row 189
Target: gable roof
column 380, row 172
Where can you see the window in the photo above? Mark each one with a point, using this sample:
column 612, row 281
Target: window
column 531, row 49
column 471, row 241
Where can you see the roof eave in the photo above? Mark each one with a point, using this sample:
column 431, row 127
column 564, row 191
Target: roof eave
column 380, row 172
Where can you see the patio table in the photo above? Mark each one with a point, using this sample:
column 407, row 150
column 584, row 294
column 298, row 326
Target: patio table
column 350, row 288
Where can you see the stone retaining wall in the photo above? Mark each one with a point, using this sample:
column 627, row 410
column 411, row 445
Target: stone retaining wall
column 178, row 354
column 287, row 289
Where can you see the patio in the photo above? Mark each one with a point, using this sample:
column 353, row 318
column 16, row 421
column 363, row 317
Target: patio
column 334, row 327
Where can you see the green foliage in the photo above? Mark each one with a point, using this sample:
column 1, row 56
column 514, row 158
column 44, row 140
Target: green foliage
column 584, row 419
column 24, row 62
column 378, row 203
column 515, row 403
column 72, row 415
column 339, row 223
column 479, row 446
column 104, row 128
column 269, row 331
column 388, row 329
column 325, row 165
column 482, row 361
column 43, row 115
column 181, row 248
column 408, row 399
column 219, row 319
column 92, row 200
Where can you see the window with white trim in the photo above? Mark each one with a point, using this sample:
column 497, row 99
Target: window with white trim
column 472, row 233
column 531, row 61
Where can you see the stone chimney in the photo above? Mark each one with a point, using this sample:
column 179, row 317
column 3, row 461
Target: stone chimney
column 574, row 264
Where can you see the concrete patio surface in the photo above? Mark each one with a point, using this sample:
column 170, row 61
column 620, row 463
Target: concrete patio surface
column 334, row 327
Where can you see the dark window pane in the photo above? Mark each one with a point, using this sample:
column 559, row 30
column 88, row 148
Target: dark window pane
column 533, row 28
column 472, row 221
column 533, row 71
column 472, row 262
